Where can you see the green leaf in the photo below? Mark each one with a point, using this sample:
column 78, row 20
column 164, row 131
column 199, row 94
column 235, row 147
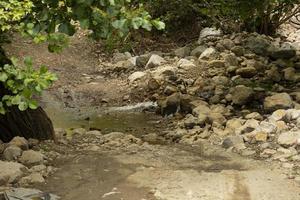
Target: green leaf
column 3, row 76
column 16, row 100
column 33, row 104
column 23, row 106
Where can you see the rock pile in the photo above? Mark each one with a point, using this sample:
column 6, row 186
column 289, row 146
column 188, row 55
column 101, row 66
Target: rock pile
column 21, row 165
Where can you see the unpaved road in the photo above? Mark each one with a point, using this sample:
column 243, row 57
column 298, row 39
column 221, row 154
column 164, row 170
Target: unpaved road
column 169, row 173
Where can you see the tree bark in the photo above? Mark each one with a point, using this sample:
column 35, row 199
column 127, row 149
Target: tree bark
column 29, row 124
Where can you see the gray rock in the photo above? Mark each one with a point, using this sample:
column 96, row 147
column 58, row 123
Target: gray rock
column 281, row 53
column 32, row 179
column 278, row 101
column 19, row 142
column 170, row 105
column 170, row 90
column 246, row 72
column 182, row 52
column 209, row 53
column 241, row 94
column 12, row 152
column 191, row 121
column 258, row 44
column 31, row 157
column 155, row 61
column 227, row 43
column 29, row 194
column 231, row 60
column 209, row 32
column 289, row 138
column 121, row 56
column 238, row 50
column 273, row 74
column 198, row 51
column 216, row 64
column 10, row 172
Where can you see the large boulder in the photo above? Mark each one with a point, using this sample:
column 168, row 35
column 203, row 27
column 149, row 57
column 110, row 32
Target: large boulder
column 278, row 101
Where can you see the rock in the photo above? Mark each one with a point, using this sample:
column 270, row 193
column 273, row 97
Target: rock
column 249, row 126
column 254, row 115
column 258, row 44
column 227, row 43
column 241, row 94
column 278, row 115
column 10, row 172
column 291, row 75
column 209, row 32
column 94, row 133
column 281, row 126
column 273, row 74
column 155, row 61
column 231, row 60
column 170, row 90
column 216, row 118
column 233, row 141
column 288, row 138
column 209, row 53
column 123, row 66
column 164, row 71
column 78, row 131
column 234, row 124
column 153, row 84
column 238, row 50
column 220, row 80
column 12, row 152
column 198, row 51
column 261, row 136
column 185, row 64
column 246, row 72
column 182, row 52
column 32, row 179
column 278, row 101
column 31, row 157
column 296, row 96
column 216, row 64
column 19, row 142
column 141, row 61
column 33, row 143
column 24, row 193
column 201, row 109
column 191, row 121
column 267, row 127
column 170, row 105
column 136, row 76
column 281, row 53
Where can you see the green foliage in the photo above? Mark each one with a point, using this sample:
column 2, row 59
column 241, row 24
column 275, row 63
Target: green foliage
column 23, row 82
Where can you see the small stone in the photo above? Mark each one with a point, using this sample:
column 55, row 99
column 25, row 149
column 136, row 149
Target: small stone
column 278, row 101
column 232, row 141
column 198, row 51
column 227, row 43
column 241, row 94
column 170, row 90
column 254, row 115
column 234, row 124
column 12, row 152
column 278, row 115
column 182, row 52
column 209, row 53
column 19, row 142
column 209, row 32
column 32, row 179
column 31, row 157
column 155, row 61
column 238, row 50
column 78, row 131
column 142, row 60
column 136, row 76
column 246, row 72
column 261, row 136
column 153, row 84
column 216, row 64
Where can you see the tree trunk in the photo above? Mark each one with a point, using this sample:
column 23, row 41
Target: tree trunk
column 29, row 124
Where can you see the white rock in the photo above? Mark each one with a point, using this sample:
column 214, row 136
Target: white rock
column 136, row 76
column 267, row 127
column 12, row 153
column 185, row 64
column 155, row 61
column 208, row 53
column 209, row 32
column 289, row 138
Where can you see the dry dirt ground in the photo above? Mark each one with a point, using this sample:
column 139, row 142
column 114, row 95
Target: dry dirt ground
column 150, row 172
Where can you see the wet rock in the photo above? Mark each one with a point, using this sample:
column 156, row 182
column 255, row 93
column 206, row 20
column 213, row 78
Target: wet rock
column 170, row 105
column 241, row 94
column 31, row 157
column 233, row 141
column 198, row 51
column 12, row 152
column 10, row 172
column 19, row 142
column 246, row 72
column 289, row 138
column 278, row 101
column 136, row 76
column 182, row 52
column 209, row 53
column 155, row 61
column 209, row 32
